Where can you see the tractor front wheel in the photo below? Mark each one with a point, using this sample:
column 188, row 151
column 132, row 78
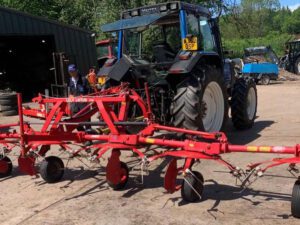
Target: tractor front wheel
column 244, row 103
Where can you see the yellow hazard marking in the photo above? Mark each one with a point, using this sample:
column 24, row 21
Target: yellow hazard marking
column 190, row 44
column 191, row 145
column 252, row 149
column 265, row 149
column 150, row 140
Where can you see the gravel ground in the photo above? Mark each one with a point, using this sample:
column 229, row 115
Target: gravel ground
column 86, row 199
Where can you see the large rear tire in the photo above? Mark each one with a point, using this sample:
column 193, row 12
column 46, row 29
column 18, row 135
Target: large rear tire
column 244, row 103
column 201, row 101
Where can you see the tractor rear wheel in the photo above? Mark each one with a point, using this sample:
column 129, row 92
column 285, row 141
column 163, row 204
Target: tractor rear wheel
column 52, row 169
column 192, row 187
column 244, row 103
column 295, row 203
column 201, row 102
column 5, row 167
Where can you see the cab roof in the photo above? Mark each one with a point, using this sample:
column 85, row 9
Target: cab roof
column 147, row 15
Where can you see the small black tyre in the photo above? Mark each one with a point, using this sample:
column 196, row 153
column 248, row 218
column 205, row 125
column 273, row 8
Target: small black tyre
column 52, row 169
column 7, row 107
column 295, row 203
column 8, row 101
column 265, row 79
column 6, row 96
column 9, row 113
column 244, row 103
column 124, row 178
column 5, row 166
column 192, row 184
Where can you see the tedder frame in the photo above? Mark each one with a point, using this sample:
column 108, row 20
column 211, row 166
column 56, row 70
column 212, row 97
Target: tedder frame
column 115, row 134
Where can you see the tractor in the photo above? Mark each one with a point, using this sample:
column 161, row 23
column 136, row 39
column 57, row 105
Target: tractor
column 106, row 49
column 291, row 61
column 175, row 48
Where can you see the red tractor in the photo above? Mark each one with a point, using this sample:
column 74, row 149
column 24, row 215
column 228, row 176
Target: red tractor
column 106, row 49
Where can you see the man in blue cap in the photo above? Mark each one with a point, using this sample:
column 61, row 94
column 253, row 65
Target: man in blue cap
column 78, row 85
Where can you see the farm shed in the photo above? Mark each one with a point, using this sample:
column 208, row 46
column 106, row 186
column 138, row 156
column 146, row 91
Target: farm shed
column 29, row 45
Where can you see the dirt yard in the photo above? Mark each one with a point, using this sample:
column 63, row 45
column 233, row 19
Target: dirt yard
column 86, row 199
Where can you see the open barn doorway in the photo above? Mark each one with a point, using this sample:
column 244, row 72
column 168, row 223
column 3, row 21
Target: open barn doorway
column 25, row 63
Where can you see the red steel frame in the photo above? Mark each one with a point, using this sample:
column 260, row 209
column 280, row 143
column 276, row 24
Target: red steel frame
column 58, row 130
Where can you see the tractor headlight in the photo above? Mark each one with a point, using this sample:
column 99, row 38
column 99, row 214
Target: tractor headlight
column 173, row 6
column 135, row 13
column 163, row 8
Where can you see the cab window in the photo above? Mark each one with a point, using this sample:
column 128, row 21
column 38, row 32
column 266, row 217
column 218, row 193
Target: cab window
column 208, row 39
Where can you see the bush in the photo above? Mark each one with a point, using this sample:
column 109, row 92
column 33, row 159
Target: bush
column 275, row 39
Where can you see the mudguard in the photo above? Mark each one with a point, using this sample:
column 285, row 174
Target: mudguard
column 116, row 71
column 186, row 65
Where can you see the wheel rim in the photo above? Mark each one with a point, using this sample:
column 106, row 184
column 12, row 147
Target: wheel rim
column 266, row 80
column 213, row 102
column 251, row 103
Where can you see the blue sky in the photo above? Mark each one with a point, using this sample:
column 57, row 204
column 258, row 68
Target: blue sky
column 293, row 4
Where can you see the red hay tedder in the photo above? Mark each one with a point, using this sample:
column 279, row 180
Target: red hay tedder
column 119, row 129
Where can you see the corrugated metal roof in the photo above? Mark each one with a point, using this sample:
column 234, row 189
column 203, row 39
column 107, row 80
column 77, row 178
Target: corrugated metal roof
column 23, row 14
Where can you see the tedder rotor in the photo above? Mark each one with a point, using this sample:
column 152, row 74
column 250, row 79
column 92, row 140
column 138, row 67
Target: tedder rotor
column 125, row 122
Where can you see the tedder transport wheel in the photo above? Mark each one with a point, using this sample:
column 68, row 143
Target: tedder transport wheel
column 52, row 169
column 5, row 166
column 201, row 104
column 244, row 103
column 295, row 203
column 124, row 178
column 192, row 187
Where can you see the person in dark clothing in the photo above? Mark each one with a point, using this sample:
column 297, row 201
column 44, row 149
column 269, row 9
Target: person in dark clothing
column 78, row 85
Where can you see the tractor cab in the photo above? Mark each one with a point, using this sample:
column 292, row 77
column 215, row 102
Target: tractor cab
column 162, row 39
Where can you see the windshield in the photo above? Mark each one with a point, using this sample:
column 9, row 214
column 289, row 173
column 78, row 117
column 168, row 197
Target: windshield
column 146, row 43
column 102, row 51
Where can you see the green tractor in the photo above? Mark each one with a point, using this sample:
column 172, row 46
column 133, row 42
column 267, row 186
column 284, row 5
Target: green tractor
column 176, row 48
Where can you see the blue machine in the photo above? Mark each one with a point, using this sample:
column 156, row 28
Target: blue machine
column 262, row 63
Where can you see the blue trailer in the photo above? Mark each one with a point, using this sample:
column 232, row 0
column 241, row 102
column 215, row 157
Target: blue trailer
column 261, row 63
